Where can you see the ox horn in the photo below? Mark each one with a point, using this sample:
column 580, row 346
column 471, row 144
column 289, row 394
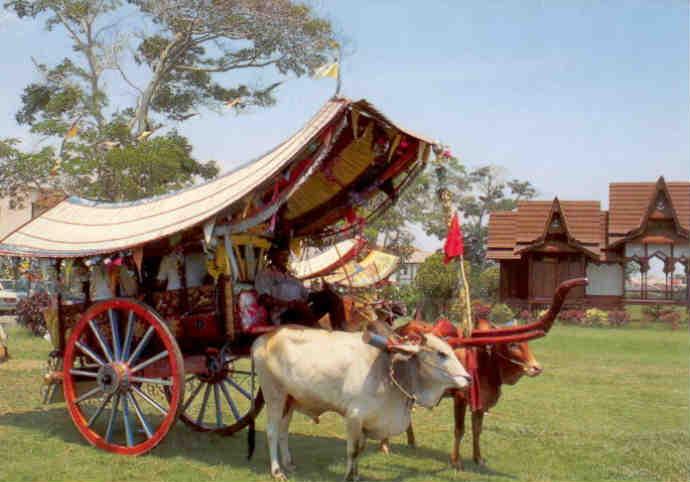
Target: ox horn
column 390, row 344
column 549, row 317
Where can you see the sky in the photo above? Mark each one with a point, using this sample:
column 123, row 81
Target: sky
column 568, row 95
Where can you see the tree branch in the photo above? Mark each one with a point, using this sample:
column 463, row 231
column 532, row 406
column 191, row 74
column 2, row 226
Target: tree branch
column 226, row 67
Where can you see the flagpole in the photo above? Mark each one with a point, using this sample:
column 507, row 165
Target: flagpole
column 338, row 80
column 465, row 299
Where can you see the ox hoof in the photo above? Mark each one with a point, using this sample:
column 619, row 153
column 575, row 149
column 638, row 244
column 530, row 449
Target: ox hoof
column 385, row 449
column 457, row 465
column 279, row 476
column 352, row 477
column 480, row 461
column 290, row 467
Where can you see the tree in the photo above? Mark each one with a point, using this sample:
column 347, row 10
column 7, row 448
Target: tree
column 184, row 59
column 391, row 229
column 437, row 283
column 486, row 192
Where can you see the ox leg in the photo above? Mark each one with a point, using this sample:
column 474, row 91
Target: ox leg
column 285, row 456
column 354, row 445
column 385, row 447
column 274, row 414
column 477, row 420
column 460, row 407
column 411, row 442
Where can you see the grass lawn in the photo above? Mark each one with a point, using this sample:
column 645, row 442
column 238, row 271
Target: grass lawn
column 612, row 404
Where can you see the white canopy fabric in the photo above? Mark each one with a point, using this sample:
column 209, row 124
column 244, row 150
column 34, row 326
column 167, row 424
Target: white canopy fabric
column 377, row 266
column 78, row 227
column 327, row 261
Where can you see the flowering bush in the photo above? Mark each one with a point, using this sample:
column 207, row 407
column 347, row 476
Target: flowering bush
column 525, row 316
column 618, row 318
column 672, row 317
column 480, row 311
column 575, row 317
column 30, row 312
column 501, row 313
column 596, row 317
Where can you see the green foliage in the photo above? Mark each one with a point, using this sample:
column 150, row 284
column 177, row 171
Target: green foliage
column 435, row 279
column 183, row 62
column 406, row 294
column 501, row 314
column 437, row 284
column 487, row 285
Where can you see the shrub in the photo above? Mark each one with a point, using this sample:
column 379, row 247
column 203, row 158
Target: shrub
column 30, row 312
column 618, row 318
column 501, row 313
column 480, row 311
column 525, row 316
column 672, row 317
column 596, row 317
column 573, row 316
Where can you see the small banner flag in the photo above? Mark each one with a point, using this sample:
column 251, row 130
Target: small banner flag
column 454, row 245
column 328, row 70
column 233, row 102
column 73, row 130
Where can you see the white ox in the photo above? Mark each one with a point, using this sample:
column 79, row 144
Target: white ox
column 315, row 371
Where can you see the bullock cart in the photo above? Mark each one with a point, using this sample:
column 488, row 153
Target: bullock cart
column 357, row 270
column 131, row 356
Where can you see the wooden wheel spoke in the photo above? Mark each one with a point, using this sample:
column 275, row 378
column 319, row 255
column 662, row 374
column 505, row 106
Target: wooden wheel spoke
column 83, row 373
column 154, row 381
column 101, row 341
column 88, row 395
column 111, row 420
column 244, row 392
column 200, row 416
column 129, row 333
column 140, row 415
column 90, row 353
column 150, row 400
column 99, row 410
column 231, row 403
column 219, row 411
column 115, row 329
column 129, row 436
column 192, row 396
column 142, row 344
column 151, row 360
column 127, row 349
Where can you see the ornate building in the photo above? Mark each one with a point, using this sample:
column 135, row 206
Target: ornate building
column 636, row 252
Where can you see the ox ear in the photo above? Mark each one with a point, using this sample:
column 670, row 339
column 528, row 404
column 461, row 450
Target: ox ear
column 409, row 345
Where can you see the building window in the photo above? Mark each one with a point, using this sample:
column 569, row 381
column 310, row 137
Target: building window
column 658, row 277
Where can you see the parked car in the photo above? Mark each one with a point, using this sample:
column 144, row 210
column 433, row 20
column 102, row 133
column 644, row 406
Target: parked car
column 8, row 300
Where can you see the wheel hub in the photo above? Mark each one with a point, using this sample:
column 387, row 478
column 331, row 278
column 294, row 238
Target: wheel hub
column 113, row 378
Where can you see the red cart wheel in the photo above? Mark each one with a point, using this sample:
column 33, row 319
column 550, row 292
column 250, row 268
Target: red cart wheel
column 117, row 360
column 221, row 399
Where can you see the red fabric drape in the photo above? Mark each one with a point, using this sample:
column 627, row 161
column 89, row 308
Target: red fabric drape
column 473, row 369
column 455, row 245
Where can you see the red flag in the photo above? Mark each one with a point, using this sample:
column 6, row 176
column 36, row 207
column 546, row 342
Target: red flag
column 455, row 245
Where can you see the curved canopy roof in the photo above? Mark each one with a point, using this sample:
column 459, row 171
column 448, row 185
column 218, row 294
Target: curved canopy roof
column 329, row 260
column 376, row 267
column 346, row 154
